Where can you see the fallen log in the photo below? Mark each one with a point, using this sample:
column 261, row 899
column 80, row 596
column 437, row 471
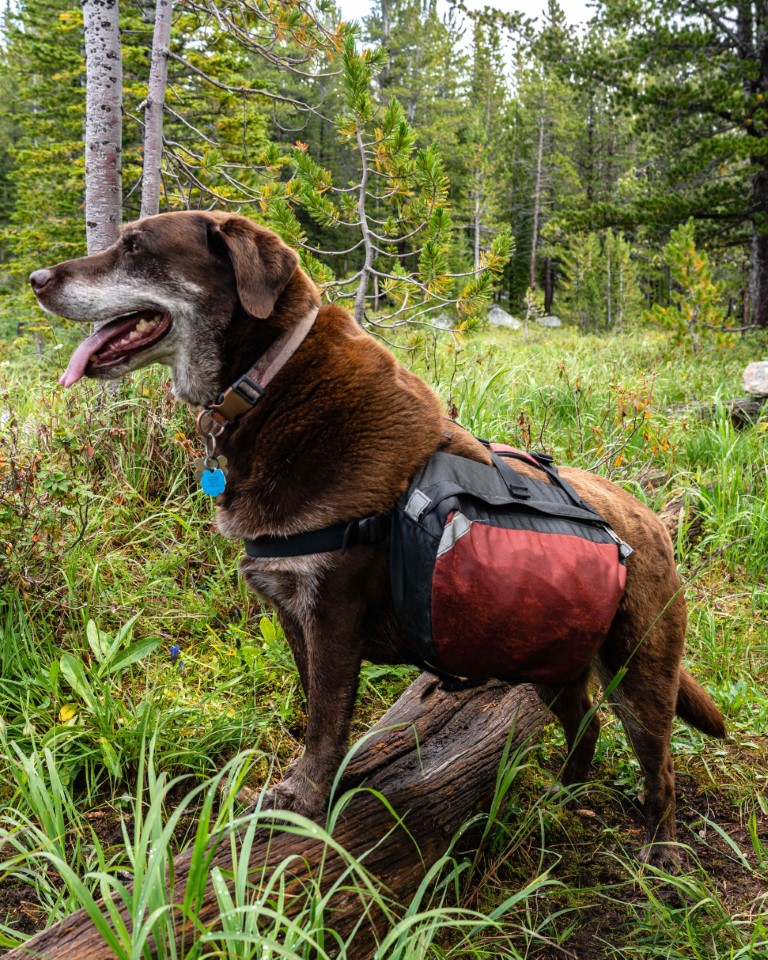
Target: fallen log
column 434, row 756
column 742, row 411
column 682, row 511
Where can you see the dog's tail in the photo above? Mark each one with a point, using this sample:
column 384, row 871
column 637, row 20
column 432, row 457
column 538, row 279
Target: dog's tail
column 695, row 706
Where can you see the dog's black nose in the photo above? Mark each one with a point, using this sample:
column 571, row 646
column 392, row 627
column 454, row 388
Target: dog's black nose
column 40, row 279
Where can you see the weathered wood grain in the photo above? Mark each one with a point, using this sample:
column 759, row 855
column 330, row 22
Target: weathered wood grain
column 434, row 756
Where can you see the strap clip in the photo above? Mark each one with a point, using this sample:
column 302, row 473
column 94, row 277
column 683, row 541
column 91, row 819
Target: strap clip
column 369, row 530
column 248, row 389
column 363, row 532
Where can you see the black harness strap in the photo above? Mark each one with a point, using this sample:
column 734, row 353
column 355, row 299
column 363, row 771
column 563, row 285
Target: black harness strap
column 369, row 530
column 547, row 465
column 375, row 529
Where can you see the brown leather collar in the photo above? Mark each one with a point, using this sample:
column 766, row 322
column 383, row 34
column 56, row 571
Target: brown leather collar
column 247, row 390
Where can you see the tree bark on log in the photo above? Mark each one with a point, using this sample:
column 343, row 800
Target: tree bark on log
column 434, row 756
column 742, row 411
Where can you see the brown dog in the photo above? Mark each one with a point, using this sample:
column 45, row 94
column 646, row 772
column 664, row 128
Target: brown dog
column 336, row 436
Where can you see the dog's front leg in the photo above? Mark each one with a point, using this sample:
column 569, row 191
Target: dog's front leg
column 332, row 647
column 295, row 637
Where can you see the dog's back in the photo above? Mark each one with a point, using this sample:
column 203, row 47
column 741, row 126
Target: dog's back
column 336, row 436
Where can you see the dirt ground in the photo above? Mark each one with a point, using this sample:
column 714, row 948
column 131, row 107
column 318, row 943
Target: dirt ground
column 590, row 841
column 586, row 842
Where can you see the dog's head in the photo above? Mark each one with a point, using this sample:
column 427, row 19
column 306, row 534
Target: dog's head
column 168, row 291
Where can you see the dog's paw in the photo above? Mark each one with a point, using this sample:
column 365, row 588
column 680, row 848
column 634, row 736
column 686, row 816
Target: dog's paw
column 297, row 794
column 663, row 856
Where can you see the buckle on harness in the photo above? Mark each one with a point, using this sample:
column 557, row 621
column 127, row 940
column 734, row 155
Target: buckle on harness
column 248, row 389
column 362, row 532
column 624, row 548
column 369, row 530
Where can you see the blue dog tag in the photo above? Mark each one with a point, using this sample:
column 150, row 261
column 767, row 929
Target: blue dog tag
column 213, row 482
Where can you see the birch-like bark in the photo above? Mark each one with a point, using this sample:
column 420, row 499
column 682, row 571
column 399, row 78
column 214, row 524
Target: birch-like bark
column 103, row 123
column 153, row 113
column 537, row 203
column 478, row 227
column 365, row 273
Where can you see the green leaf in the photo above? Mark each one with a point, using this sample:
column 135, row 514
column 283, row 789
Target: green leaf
column 53, row 672
column 109, row 755
column 96, row 641
column 131, row 655
column 73, row 671
column 124, row 633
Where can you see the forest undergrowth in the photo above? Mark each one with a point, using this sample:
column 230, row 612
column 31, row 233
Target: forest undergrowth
column 135, row 667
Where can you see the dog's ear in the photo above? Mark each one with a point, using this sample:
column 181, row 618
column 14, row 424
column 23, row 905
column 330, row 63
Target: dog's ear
column 263, row 264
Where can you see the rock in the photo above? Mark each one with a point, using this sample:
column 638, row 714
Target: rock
column 500, row 318
column 442, row 320
column 755, row 378
column 550, row 321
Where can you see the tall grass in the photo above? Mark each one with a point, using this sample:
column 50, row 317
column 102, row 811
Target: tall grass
column 131, row 896
column 108, row 559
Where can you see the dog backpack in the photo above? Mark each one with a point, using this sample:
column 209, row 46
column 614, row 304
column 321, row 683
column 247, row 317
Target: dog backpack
column 495, row 574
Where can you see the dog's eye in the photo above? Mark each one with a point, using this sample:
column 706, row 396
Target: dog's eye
column 129, row 243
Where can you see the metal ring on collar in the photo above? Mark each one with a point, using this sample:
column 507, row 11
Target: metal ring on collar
column 209, row 424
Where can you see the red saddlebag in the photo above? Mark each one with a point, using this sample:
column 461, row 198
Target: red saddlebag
column 495, row 574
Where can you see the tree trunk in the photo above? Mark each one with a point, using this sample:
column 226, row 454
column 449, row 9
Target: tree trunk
column 590, row 159
column 758, row 293
column 549, row 285
column 434, row 756
column 620, row 303
column 477, row 222
column 536, row 203
column 103, row 123
column 746, row 309
column 153, row 113
column 365, row 272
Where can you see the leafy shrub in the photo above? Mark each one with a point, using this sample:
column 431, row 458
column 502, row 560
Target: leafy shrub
column 697, row 301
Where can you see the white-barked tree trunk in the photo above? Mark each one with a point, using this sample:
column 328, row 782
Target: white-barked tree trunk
column 103, row 123
column 153, row 112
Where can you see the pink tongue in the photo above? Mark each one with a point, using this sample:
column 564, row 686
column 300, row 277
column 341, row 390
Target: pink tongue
column 79, row 359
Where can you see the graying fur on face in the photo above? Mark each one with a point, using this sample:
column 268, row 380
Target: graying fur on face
column 186, row 349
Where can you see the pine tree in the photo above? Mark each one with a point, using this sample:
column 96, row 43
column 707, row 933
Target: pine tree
column 425, row 67
column 483, row 139
column 241, row 88
column 697, row 301
column 601, row 285
column 392, row 212
column 696, row 74
column 545, row 124
column 42, row 59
